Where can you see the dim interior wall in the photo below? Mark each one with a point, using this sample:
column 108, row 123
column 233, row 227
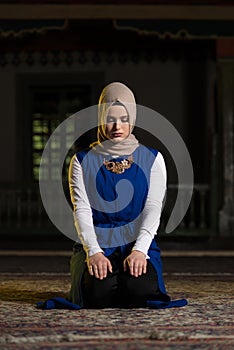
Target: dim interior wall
column 8, row 151
column 161, row 86
column 158, row 86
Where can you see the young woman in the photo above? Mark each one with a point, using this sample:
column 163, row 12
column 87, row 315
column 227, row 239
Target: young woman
column 116, row 262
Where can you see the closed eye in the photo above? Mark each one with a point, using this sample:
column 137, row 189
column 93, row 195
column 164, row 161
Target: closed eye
column 125, row 119
column 111, row 119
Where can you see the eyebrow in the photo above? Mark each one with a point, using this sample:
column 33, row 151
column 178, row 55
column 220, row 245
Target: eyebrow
column 122, row 116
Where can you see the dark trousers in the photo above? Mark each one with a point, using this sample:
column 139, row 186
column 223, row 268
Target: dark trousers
column 119, row 288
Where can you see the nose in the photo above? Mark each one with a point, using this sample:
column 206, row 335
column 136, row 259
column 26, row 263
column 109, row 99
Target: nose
column 117, row 124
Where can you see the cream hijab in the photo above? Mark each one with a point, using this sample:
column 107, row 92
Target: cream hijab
column 112, row 93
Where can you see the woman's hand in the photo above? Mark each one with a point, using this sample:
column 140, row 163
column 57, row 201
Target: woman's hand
column 136, row 262
column 99, row 265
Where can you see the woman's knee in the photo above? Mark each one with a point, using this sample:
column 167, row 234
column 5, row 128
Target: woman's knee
column 97, row 293
column 137, row 286
column 144, row 285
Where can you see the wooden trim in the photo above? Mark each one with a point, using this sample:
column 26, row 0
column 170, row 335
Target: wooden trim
column 169, row 12
column 121, row 2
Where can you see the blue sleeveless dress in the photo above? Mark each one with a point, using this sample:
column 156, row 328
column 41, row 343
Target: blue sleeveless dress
column 116, row 222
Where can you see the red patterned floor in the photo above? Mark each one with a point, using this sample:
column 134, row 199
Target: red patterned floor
column 205, row 323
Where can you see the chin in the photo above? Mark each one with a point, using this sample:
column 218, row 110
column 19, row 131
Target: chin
column 117, row 139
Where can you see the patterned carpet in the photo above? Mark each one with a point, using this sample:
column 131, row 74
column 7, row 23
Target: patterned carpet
column 206, row 323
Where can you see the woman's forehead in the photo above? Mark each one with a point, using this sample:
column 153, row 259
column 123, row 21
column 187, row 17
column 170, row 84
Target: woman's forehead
column 117, row 111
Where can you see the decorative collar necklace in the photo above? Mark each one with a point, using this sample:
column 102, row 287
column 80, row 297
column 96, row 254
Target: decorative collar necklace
column 118, row 167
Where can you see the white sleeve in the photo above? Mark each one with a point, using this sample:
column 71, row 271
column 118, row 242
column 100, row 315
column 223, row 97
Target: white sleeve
column 81, row 208
column 153, row 206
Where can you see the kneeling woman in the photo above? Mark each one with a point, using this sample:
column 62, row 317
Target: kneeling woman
column 117, row 188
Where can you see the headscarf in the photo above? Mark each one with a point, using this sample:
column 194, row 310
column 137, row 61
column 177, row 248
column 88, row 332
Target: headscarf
column 113, row 93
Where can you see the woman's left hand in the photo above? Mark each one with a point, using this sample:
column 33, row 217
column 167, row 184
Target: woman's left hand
column 136, row 262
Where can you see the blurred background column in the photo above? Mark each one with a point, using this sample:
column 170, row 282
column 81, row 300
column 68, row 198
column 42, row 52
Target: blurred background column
column 225, row 53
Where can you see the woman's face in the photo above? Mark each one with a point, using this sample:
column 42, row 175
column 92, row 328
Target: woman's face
column 117, row 123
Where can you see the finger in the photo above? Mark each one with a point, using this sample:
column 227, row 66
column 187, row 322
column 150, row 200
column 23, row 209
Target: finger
column 131, row 268
column 90, row 270
column 104, row 271
column 125, row 265
column 140, row 269
column 136, row 270
column 96, row 272
column 145, row 267
column 100, row 273
column 109, row 266
column 102, row 268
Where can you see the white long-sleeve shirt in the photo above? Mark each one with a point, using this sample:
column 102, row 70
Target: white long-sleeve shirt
column 150, row 215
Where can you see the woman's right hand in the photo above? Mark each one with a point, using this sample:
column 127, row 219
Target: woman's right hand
column 99, row 265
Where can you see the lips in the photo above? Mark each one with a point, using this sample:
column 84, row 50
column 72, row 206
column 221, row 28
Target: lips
column 116, row 134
